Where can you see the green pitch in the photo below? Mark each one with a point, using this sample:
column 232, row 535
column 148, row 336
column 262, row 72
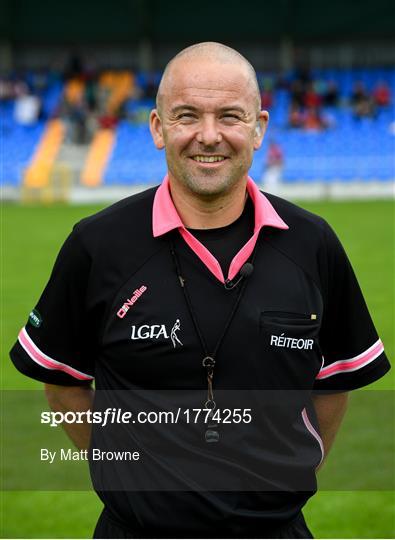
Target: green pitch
column 31, row 237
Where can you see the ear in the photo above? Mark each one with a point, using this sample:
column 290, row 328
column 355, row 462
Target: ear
column 260, row 129
column 155, row 125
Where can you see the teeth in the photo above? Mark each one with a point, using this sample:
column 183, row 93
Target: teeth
column 208, row 159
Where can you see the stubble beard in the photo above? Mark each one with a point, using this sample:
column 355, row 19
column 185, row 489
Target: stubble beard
column 209, row 184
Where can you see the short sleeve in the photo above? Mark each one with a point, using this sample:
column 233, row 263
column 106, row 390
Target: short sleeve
column 352, row 352
column 56, row 346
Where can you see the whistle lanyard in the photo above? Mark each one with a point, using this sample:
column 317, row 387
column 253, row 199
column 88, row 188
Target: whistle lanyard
column 209, row 358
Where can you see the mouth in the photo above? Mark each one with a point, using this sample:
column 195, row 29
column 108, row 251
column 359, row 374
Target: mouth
column 209, row 161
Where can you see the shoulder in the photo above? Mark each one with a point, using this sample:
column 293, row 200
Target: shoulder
column 310, row 241
column 294, row 213
column 132, row 210
column 299, row 220
column 121, row 225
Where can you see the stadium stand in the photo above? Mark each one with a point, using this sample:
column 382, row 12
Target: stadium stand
column 97, row 158
column 43, row 160
column 336, row 139
column 19, row 142
column 18, row 145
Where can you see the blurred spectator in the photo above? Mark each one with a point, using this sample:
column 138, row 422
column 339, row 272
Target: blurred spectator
column 331, row 95
column 91, row 92
column 295, row 116
column 303, row 73
column 91, row 126
column 74, row 111
column 313, row 121
column 20, row 88
column 108, row 121
column 362, row 104
column 311, row 97
column 267, row 93
column 274, row 167
column 6, row 90
column 359, row 93
column 382, row 94
column 77, row 124
column 27, row 109
column 297, row 93
column 266, row 100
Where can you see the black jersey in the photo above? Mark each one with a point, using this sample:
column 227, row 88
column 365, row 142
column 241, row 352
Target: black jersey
column 114, row 311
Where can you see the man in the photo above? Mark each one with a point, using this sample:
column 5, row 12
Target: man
column 210, row 295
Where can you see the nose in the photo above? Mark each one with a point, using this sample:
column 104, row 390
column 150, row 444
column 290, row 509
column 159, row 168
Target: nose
column 208, row 133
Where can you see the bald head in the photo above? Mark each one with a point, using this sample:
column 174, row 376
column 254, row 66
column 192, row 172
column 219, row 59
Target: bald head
column 213, row 52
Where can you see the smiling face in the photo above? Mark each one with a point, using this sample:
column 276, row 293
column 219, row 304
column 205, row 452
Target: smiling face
column 207, row 124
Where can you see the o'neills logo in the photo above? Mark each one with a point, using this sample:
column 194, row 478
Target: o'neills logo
column 130, row 301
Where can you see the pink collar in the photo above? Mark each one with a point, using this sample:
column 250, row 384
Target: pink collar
column 165, row 218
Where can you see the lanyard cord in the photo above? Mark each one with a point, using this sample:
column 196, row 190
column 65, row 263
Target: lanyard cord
column 209, row 360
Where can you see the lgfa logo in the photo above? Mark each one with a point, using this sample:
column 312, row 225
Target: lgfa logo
column 130, row 301
column 155, row 331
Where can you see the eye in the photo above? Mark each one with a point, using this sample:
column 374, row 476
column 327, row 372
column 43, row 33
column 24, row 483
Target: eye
column 231, row 117
column 186, row 116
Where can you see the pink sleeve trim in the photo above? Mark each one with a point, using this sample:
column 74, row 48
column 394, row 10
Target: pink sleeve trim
column 352, row 364
column 314, row 433
column 46, row 361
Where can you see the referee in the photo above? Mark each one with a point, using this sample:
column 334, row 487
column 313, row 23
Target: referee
column 204, row 293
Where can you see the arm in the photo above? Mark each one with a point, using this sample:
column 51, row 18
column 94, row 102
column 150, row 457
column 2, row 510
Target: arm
column 72, row 398
column 330, row 410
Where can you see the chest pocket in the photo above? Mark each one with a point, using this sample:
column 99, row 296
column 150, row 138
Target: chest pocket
column 295, row 323
column 289, row 343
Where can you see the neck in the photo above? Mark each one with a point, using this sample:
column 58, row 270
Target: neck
column 208, row 212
